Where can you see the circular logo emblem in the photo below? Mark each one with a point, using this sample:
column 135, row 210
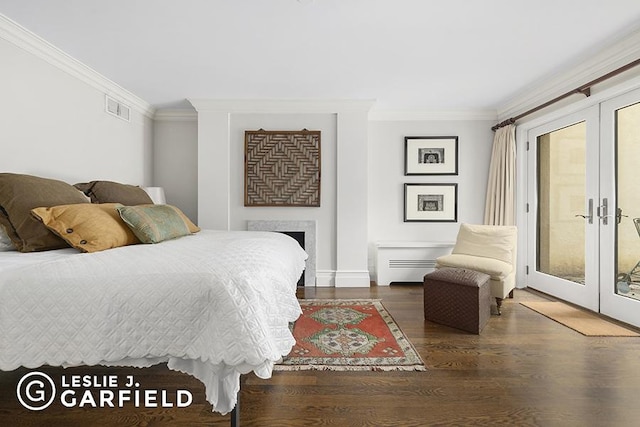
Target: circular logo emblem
column 36, row 391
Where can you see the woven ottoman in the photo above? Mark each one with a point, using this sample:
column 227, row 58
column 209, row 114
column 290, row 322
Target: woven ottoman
column 457, row 297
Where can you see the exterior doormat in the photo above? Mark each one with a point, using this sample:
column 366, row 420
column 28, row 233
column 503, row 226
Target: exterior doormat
column 349, row 335
column 582, row 321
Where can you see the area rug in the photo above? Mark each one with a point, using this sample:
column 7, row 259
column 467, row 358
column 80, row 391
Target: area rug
column 349, row 335
column 582, row 321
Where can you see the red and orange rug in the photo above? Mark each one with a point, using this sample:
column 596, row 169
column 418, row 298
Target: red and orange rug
column 349, row 335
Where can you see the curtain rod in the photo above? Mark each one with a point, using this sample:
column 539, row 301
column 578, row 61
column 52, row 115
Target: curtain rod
column 585, row 89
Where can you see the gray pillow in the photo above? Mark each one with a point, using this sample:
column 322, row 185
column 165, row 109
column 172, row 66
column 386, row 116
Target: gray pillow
column 114, row 192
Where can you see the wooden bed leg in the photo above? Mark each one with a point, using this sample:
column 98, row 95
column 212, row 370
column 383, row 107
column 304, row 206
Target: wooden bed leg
column 235, row 413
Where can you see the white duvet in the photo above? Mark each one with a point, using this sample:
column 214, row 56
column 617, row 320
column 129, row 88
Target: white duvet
column 214, row 305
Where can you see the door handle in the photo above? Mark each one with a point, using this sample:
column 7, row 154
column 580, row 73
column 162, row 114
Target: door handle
column 589, row 215
column 619, row 215
column 603, row 211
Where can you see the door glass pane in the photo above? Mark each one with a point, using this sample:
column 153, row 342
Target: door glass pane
column 628, row 201
column 561, row 196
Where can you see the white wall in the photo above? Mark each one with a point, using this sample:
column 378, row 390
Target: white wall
column 325, row 215
column 176, row 161
column 387, row 179
column 54, row 124
column 342, row 256
column 176, row 166
column 175, row 155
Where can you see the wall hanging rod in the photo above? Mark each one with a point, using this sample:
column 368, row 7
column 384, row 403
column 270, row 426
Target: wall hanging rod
column 585, row 89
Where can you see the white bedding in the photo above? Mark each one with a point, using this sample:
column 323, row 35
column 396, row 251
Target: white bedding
column 14, row 259
column 214, row 305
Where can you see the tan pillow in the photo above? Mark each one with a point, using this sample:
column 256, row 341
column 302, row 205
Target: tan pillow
column 114, row 192
column 88, row 227
column 490, row 241
column 156, row 223
column 21, row 193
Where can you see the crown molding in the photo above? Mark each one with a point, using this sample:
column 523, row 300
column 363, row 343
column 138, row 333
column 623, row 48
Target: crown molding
column 432, row 115
column 19, row 36
column 277, row 107
column 322, row 106
column 175, row 115
column 281, row 106
column 617, row 54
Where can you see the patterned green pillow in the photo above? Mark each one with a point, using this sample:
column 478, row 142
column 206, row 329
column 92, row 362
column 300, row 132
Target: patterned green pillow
column 155, row 223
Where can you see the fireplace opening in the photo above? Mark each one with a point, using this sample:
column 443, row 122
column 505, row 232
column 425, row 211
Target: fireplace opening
column 299, row 237
column 304, row 232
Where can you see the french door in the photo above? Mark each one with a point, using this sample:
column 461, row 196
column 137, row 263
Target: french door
column 583, row 196
column 564, row 195
column 620, row 248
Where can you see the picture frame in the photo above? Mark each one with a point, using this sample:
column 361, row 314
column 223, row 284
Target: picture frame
column 430, row 202
column 282, row 168
column 431, row 155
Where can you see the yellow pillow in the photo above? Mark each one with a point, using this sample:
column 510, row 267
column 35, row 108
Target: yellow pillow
column 87, row 227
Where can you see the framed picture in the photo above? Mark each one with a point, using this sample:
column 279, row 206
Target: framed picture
column 430, row 202
column 431, row 155
column 282, row 168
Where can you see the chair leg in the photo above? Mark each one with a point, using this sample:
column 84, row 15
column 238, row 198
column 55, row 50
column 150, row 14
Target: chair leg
column 499, row 305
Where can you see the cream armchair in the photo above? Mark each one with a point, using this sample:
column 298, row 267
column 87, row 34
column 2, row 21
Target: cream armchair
column 490, row 249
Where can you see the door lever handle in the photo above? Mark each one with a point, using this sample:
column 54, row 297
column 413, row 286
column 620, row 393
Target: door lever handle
column 603, row 211
column 619, row 215
column 589, row 215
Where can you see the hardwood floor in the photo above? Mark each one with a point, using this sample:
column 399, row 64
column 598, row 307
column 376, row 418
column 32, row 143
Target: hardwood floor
column 522, row 370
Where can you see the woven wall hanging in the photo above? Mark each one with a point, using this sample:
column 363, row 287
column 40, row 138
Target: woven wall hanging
column 282, row 168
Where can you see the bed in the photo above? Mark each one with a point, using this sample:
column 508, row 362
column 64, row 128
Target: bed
column 213, row 304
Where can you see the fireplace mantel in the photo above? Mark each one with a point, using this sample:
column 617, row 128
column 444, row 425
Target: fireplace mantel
column 343, row 211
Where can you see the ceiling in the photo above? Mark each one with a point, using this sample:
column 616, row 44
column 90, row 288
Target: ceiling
column 406, row 54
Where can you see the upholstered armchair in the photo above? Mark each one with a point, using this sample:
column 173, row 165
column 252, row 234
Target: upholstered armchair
column 490, row 249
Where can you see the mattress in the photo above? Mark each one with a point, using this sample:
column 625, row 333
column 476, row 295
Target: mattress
column 214, row 305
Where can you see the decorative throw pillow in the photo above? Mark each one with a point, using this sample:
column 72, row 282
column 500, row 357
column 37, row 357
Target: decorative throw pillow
column 88, row 227
column 155, row 223
column 114, row 192
column 21, row 193
column 472, row 240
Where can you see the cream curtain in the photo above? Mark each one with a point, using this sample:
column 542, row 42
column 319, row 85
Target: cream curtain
column 501, row 191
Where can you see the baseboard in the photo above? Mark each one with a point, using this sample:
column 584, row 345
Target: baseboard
column 342, row 279
column 325, row 278
column 352, row 279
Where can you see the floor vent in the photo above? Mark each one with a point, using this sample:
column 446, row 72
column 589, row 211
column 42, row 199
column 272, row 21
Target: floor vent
column 117, row 108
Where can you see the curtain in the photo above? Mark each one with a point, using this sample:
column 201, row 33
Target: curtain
column 501, row 191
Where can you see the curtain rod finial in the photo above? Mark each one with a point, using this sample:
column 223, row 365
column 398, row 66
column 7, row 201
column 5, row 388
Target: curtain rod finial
column 504, row 123
column 586, row 91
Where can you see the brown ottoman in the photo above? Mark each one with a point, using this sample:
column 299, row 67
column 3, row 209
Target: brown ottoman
column 457, row 297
